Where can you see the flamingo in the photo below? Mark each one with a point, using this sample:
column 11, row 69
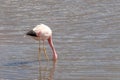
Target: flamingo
column 43, row 32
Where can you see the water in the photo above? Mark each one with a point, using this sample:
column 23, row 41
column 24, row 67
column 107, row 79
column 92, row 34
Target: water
column 86, row 34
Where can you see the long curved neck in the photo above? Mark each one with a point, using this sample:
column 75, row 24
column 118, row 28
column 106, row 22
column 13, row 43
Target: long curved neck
column 52, row 47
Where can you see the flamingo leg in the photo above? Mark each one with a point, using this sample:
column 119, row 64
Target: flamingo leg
column 39, row 52
column 45, row 51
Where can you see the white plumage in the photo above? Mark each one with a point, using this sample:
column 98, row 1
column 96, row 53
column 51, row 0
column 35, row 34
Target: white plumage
column 43, row 32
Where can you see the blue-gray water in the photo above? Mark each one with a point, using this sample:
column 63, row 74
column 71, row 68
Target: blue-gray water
column 86, row 35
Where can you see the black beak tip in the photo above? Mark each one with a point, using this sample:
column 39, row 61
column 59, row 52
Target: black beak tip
column 31, row 33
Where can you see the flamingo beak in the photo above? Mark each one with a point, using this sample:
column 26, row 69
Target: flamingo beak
column 31, row 33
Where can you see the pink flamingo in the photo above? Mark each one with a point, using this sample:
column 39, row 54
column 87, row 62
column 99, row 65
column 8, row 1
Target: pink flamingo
column 43, row 32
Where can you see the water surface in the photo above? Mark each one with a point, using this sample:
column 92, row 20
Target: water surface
column 86, row 35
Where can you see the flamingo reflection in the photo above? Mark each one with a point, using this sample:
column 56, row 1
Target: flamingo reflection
column 46, row 71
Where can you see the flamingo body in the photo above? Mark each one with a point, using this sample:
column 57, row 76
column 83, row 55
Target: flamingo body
column 43, row 32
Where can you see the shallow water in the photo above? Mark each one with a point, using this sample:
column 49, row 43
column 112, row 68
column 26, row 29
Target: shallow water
column 86, row 35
